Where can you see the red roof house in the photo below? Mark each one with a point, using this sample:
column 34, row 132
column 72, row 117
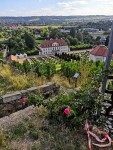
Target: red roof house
column 99, row 53
column 50, row 43
column 12, row 58
column 53, row 46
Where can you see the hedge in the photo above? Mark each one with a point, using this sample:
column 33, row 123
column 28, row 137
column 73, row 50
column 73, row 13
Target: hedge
column 82, row 46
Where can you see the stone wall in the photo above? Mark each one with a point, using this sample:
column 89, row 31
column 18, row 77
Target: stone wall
column 16, row 117
column 10, row 103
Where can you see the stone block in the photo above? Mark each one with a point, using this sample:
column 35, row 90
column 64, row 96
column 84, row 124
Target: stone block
column 11, row 97
column 4, row 121
column 32, row 90
column 1, row 99
column 44, row 88
column 51, row 85
column 24, row 93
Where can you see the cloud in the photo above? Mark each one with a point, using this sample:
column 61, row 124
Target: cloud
column 63, row 4
column 71, row 3
column 46, row 9
column 108, row 3
column 11, row 10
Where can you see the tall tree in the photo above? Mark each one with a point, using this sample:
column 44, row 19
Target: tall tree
column 29, row 40
column 26, row 66
column 73, row 32
column 80, row 37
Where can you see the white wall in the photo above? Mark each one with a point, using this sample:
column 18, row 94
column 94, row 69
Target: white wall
column 51, row 50
column 94, row 58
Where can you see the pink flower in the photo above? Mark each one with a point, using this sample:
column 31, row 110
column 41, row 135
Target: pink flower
column 23, row 103
column 67, row 111
column 23, row 100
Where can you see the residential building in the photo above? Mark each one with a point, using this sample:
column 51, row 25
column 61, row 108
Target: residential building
column 37, row 35
column 64, row 31
column 91, row 29
column 12, row 58
column 102, row 40
column 99, row 53
column 21, row 55
column 53, row 46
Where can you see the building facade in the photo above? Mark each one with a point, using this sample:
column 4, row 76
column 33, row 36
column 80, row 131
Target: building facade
column 99, row 53
column 53, row 46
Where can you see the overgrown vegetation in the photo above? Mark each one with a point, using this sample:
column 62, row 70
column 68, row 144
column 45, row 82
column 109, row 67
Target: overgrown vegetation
column 40, row 129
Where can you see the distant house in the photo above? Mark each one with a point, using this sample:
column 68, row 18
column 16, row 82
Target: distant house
column 21, row 55
column 53, row 46
column 102, row 40
column 99, row 53
column 37, row 35
column 91, row 29
column 12, row 58
column 64, row 31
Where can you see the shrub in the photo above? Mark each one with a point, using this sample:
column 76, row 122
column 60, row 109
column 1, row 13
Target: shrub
column 18, row 131
column 87, row 99
column 1, row 138
column 35, row 134
column 82, row 46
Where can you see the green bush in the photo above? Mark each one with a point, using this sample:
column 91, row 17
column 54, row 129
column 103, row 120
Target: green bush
column 32, row 52
column 82, row 46
column 87, row 99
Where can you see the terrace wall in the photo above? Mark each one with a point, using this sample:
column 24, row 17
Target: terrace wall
column 10, row 103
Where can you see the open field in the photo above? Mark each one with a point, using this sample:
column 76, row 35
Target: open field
column 101, row 33
column 39, row 27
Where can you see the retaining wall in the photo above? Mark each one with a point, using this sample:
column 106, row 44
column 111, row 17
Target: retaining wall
column 10, row 103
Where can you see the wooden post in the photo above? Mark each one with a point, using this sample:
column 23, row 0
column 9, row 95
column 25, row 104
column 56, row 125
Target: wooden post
column 75, row 82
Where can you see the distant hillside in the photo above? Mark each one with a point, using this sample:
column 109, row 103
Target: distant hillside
column 42, row 20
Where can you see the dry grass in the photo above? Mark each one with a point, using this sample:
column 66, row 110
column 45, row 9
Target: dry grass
column 11, row 81
column 21, row 60
column 61, row 80
column 38, row 133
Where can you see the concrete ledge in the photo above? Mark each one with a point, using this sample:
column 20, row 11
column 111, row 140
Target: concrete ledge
column 16, row 117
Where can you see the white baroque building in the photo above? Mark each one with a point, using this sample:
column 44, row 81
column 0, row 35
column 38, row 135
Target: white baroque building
column 53, row 46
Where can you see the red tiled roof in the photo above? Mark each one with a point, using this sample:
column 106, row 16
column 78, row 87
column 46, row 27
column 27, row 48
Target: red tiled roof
column 12, row 57
column 48, row 43
column 100, row 50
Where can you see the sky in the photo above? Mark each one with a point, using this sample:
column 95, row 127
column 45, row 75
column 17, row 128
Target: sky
column 55, row 7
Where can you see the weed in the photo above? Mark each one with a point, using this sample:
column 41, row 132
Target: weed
column 17, row 132
column 1, row 138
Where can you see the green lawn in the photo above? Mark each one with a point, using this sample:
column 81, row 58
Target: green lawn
column 58, row 67
column 39, row 41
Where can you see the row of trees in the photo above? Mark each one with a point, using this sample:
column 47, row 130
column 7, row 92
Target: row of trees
column 21, row 40
column 45, row 69
column 90, row 68
column 73, row 38
column 68, row 57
